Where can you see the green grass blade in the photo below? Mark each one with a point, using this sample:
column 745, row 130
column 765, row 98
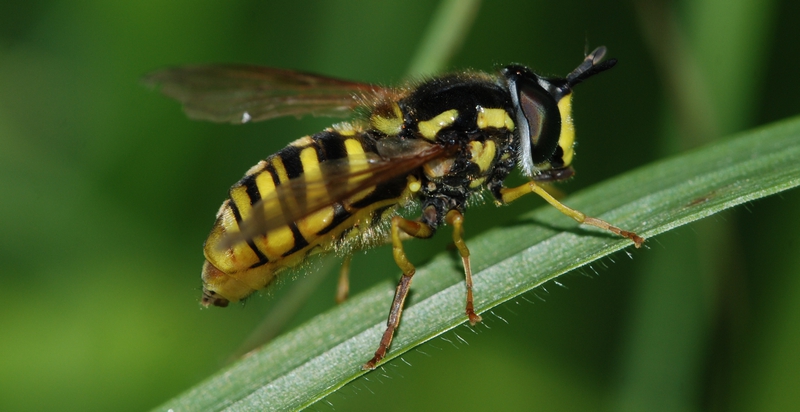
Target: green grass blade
column 304, row 365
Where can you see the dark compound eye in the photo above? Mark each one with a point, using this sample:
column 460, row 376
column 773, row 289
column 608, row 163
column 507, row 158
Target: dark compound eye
column 537, row 114
column 544, row 120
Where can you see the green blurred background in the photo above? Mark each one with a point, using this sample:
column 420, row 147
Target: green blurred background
column 108, row 192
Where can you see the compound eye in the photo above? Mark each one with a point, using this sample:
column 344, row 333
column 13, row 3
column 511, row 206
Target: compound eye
column 534, row 115
column 540, row 112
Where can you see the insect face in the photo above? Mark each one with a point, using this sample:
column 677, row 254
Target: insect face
column 543, row 112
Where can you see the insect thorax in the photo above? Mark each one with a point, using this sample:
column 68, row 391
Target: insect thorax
column 471, row 115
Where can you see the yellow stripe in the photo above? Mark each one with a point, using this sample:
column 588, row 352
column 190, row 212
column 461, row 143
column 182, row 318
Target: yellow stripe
column 310, row 161
column 280, row 169
column 277, row 242
column 283, row 177
column 357, row 159
column 266, row 187
column 313, row 223
column 316, row 192
column 355, row 155
column 242, row 201
column 265, row 184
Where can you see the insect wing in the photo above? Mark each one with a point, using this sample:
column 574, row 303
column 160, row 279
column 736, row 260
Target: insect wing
column 240, row 94
column 340, row 180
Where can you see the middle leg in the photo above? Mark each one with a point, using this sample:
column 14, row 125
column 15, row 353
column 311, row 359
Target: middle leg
column 414, row 229
column 456, row 219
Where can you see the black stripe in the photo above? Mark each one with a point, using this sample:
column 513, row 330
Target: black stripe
column 285, row 207
column 291, row 161
column 340, row 214
column 321, row 157
column 389, row 190
column 262, row 259
column 368, row 143
column 235, row 209
column 299, row 241
column 271, row 170
column 316, row 248
column 332, row 145
column 250, row 187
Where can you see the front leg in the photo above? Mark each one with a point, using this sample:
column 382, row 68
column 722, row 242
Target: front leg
column 510, row 194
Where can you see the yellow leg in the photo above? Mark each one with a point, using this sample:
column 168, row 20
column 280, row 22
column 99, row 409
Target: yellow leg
column 511, row 194
column 456, row 219
column 343, row 288
column 414, row 229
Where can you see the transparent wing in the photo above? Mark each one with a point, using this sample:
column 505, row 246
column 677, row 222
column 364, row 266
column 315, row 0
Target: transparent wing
column 239, row 93
column 341, row 179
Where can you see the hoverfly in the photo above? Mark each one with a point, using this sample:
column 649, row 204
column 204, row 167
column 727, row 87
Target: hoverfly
column 434, row 144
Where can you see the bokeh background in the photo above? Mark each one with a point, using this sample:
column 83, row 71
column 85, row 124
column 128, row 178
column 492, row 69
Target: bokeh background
column 108, row 191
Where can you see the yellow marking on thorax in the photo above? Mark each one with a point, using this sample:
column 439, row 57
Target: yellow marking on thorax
column 482, row 154
column 567, row 138
column 497, row 118
column 390, row 124
column 429, row 128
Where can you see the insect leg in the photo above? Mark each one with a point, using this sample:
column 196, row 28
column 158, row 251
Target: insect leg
column 511, row 194
column 343, row 288
column 415, row 229
column 456, row 219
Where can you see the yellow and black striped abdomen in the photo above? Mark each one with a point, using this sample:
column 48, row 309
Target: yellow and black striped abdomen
column 235, row 272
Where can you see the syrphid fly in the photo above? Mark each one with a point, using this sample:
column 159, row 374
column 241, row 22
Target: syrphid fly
column 435, row 144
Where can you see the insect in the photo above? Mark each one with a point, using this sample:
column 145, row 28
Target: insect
column 434, row 144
